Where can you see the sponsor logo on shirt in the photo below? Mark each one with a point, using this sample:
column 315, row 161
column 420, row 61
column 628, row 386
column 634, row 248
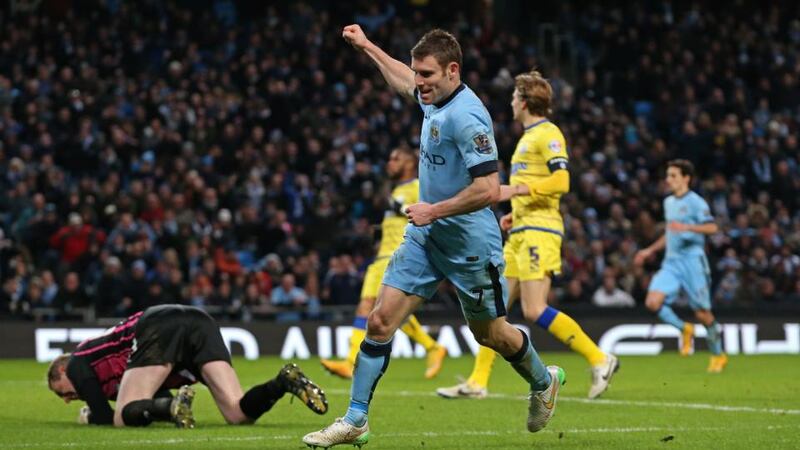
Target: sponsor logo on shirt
column 432, row 158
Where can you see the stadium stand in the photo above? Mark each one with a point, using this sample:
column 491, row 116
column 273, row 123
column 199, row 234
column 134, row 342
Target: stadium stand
column 197, row 152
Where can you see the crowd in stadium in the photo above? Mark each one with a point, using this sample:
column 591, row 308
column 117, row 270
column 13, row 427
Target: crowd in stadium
column 234, row 159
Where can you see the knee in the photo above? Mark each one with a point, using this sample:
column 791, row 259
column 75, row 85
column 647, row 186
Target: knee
column 704, row 316
column 533, row 312
column 238, row 420
column 486, row 337
column 379, row 326
column 485, row 340
column 653, row 303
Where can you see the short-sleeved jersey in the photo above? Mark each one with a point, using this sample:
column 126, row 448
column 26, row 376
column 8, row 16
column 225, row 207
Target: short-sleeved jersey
column 393, row 226
column 692, row 209
column 457, row 144
column 540, row 151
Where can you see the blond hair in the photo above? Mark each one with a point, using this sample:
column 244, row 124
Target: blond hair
column 536, row 92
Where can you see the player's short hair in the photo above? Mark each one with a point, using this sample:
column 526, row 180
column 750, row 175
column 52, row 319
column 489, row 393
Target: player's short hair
column 685, row 166
column 440, row 44
column 536, row 92
column 53, row 373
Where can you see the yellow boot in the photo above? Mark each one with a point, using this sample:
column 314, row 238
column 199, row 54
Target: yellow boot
column 688, row 339
column 343, row 369
column 717, row 363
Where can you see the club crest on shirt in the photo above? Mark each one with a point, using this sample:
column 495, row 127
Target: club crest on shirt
column 554, row 146
column 483, row 144
column 435, row 133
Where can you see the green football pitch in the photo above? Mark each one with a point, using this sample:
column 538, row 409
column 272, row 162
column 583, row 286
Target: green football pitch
column 654, row 402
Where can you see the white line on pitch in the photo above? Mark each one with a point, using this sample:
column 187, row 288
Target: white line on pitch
column 706, row 406
column 431, row 434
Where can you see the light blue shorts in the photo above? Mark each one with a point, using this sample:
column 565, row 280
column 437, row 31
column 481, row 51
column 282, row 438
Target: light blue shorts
column 481, row 286
column 689, row 274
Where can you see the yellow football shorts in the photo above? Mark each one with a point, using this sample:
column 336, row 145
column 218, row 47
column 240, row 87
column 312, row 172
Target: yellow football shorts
column 532, row 254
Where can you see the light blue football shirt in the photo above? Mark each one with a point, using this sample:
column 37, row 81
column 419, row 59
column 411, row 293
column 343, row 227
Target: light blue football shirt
column 457, row 144
column 690, row 209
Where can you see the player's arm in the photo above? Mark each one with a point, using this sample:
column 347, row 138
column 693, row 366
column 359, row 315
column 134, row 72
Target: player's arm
column 483, row 191
column 702, row 228
column 650, row 250
column 555, row 183
column 399, row 76
column 101, row 412
column 88, row 388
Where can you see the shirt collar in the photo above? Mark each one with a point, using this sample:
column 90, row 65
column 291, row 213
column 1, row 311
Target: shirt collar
column 531, row 126
column 443, row 103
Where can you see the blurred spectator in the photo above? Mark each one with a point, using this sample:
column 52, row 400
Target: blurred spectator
column 110, row 288
column 610, row 295
column 71, row 294
column 342, row 285
column 574, row 293
column 290, row 298
column 256, row 146
column 73, row 240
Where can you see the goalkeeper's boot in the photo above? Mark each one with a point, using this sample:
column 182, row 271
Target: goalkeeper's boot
column 543, row 403
column 339, row 432
column 601, row 375
column 434, row 361
column 466, row 389
column 181, row 408
column 342, row 369
column 687, row 335
column 295, row 381
column 717, row 363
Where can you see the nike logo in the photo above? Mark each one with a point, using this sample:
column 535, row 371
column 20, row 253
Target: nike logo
column 551, row 403
column 611, row 369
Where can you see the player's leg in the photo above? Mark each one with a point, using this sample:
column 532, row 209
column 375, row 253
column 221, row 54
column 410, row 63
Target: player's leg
column 476, row 386
column 537, row 258
column 224, row 385
column 390, row 311
column 135, row 405
column 663, row 289
column 567, row 330
column 243, row 408
column 409, row 278
column 718, row 359
column 483, row 295
column 344, row 368
column 556, row 322
column 515, row 346
column 484, row 360
column 698, row 287
column 369, row 292
column 158, row 333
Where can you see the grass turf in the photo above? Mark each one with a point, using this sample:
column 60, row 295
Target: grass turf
column 654, row 402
